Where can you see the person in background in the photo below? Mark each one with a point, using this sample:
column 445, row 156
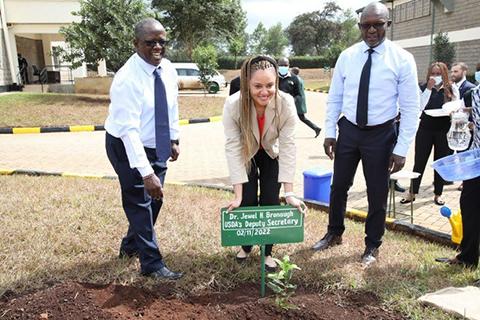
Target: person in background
column 293, row 85
column 259, row 125
column 373, row 81
column 303, row 106
column 477, row 74
column 432, row 131
column 470, row 198
column 459, row 77
column 23, row 68
column 142, row 134
column 234, row 85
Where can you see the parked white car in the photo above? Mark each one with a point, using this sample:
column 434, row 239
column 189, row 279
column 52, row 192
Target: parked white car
column 189, row 78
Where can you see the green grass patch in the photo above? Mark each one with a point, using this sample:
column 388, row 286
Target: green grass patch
column 53, row 109
column 56, row 229
column 322, row 85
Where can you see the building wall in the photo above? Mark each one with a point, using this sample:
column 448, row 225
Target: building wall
column 5, row 76
column 41, row 12
column 412, row 29
column 32, row 50
column 466, row 51
column 464, row 16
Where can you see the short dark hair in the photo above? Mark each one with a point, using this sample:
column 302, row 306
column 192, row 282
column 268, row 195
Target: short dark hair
column 141, row 27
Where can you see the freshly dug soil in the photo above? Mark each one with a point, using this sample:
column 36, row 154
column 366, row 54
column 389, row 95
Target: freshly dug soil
column 72, row 300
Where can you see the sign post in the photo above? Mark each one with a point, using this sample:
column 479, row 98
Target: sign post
column 261, row 226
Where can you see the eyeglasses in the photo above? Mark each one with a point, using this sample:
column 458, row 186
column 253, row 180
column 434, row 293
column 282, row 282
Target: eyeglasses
column 153, row 43
column 367, row 26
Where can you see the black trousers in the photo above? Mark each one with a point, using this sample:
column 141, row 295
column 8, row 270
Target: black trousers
column 141, row 210
column 425, row 140
column 309, row 123
column 374, row 147
column 264, row 170
column 470, row 207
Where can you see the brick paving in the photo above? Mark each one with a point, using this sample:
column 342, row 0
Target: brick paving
column 202, row 160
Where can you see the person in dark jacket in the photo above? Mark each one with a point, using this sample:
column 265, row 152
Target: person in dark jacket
column 459, row 76
column 293, row 85
column 432, row 131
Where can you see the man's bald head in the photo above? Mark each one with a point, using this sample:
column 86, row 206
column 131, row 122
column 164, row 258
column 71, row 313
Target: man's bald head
column 373, row 23
column 375, row 8
column 145, row 26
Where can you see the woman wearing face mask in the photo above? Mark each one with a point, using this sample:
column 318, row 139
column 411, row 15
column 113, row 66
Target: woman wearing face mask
column 432, row 131
column 477, row 74
column 259, row 125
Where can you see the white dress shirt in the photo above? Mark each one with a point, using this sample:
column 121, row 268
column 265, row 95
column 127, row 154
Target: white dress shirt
column 425, row 95
column 393, row 87
column 131, row 115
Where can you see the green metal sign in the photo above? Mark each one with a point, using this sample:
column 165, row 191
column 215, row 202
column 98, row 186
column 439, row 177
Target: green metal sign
column 261, row 225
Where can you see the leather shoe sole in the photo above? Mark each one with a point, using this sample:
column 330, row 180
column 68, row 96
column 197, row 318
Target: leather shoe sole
column 327, row 242
column 164, row 274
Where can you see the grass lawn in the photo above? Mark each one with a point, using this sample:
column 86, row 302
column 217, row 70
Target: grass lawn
column 52, row 109
column 323, row 85
column 57, row 229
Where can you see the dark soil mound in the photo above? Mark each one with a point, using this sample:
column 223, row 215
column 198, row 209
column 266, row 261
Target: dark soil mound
column 84, row 301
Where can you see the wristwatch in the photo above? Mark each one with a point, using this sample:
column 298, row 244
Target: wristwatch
column 177, row 142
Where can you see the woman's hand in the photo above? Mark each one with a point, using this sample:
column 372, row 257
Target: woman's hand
column 234, row 204
column 430, row 83
column 299, row 204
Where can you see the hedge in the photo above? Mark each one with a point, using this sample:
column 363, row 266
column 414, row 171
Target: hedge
column 303, row 62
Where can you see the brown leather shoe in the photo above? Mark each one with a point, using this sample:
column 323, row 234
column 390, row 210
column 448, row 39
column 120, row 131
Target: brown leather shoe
column 329, row 240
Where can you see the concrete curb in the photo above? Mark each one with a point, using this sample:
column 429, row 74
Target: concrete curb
column 21, row 130
column 316, row 90
column 354, row 214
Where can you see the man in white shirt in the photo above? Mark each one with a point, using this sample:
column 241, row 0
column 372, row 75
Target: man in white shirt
column 142, row 133
column 364, row 102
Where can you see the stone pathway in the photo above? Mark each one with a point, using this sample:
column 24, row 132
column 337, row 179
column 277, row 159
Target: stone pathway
column 202, row 160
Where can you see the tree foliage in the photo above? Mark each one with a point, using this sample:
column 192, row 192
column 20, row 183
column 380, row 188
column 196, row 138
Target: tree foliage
column 443, row 49
column 106, row 31
column 236, row 47
column 258, row 39
column 276, row 40
column 206, row 59
column 310, row 33
column 272, row 41
column 192, row 22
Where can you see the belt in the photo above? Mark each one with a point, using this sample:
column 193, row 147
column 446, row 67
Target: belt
column 377, row 126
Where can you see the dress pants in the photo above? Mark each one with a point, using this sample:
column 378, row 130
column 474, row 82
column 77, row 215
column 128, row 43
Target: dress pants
column 309, row 123
column 141, row 210
column 374, row 146
column 424, row 141
column 470, row 206
column 264, row 170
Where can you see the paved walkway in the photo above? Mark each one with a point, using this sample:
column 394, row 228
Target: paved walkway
column 202, row 160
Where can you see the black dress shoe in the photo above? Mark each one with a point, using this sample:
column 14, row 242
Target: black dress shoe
column 399, row 188
column 329, row 240
column 317, row 132
column 477, row 283
column 369, row 256
column 456, row 262
column 164, row 274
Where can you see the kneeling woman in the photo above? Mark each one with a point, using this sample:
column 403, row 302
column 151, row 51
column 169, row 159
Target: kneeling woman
column 259, row 123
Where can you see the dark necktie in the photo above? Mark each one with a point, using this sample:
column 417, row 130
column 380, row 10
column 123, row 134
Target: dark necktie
column 162, row 128
column 362, row 102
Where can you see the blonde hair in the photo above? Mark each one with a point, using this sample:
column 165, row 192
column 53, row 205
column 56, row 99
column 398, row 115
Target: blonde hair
column 246, row 133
